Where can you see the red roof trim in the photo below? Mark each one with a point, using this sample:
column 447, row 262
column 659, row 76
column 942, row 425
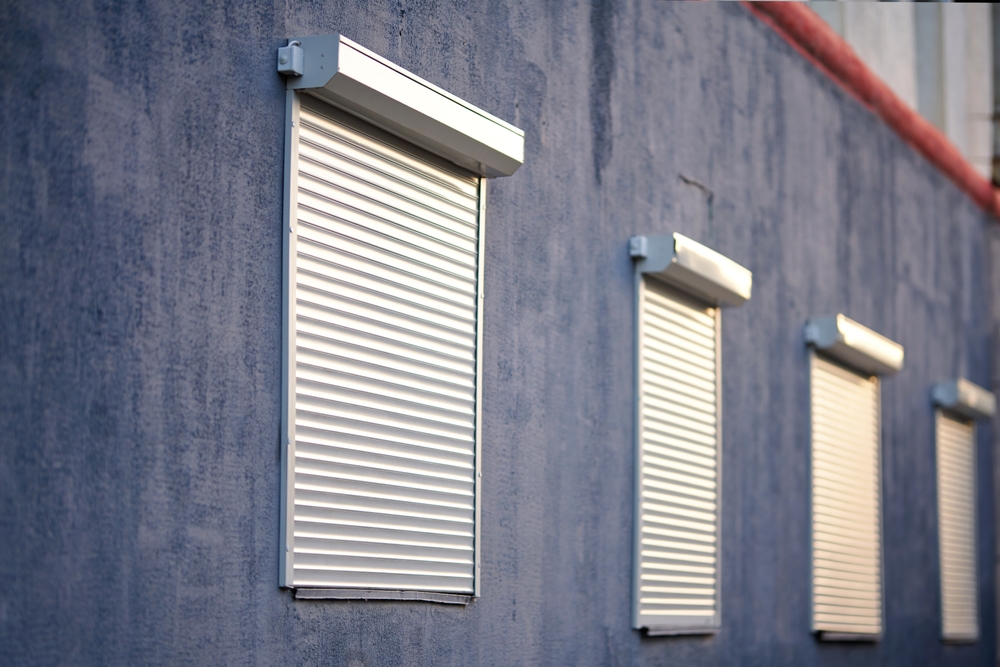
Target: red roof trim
column 821, row 45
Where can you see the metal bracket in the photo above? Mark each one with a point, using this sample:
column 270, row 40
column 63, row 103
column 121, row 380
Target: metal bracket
column 291, row 59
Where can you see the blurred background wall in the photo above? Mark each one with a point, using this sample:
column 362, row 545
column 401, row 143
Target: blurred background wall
column 937, row 56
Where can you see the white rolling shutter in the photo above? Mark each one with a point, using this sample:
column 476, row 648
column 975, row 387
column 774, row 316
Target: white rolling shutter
column 956, row 490
column 382, row 387
column 677, row 552
column 846, row 501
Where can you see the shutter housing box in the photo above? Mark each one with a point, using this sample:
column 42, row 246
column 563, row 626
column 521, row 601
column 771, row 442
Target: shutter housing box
column 857, row 346
column 384, row 215
column 679, row 286
column 693, row 268
column 350, row 76
column 965, row 398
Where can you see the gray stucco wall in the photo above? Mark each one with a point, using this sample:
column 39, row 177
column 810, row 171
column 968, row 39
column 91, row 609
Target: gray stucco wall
column 140, row 286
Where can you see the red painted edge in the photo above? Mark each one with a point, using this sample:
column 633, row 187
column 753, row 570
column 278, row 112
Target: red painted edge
column 820, row 44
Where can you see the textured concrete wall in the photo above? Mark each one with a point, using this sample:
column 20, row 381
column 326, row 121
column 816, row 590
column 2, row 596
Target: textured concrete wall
column 140, row 292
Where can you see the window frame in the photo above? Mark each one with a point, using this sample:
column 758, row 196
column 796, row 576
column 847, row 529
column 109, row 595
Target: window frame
column 961, row 400
column 699, row 275
column 348, row 77
column 939, row 415
column 829, row 635
column 857, row 349
column 716, row 622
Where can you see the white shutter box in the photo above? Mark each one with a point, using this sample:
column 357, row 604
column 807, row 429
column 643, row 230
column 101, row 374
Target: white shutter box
column 677, row 553
column 846, row 501
column 383, row 306
column 956, row 492
column 343, row 73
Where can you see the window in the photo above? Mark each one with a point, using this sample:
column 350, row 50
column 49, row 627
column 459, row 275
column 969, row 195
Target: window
column 956, row 492
column 959, row 403
column 383, row 291
column 846, row 500
column 680, row 285
column 846, row 457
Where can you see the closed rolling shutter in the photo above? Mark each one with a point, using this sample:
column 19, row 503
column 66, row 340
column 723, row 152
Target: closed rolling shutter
column 846, row 501
column 677, row 575
column 383, row 297
column 956, row 476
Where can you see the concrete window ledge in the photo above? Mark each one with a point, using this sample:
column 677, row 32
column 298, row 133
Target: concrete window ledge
column 373, row 594
column 827, row 636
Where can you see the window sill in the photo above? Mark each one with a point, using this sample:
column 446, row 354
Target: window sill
column 848, row 637
column 680, row 632
column 374, row 594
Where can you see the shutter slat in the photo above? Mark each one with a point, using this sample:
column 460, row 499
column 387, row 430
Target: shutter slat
column 666, row 506
column 322, row 525
column 667, row 359
column 846, row 500
column 310, row 423
column 408, row 224
column 425, row 283
column 353, row 378
column 677, row 577
column 384, row 460
column 956, row 485
column 318, row 408
column 328, row 352
column 385, row 362
column 368, row 256
column 410, row 407
column 376, row 152
column 336, row 288
column 329, row 274
column 322, row 220
column 394, row 580
column 671, row 463
column 330, row 209
column 385, row 510
column 327, row 160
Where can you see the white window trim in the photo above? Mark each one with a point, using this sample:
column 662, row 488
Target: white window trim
column 352, row 78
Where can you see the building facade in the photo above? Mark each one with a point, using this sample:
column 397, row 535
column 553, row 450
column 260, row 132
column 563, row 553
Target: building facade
column 145, row 345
